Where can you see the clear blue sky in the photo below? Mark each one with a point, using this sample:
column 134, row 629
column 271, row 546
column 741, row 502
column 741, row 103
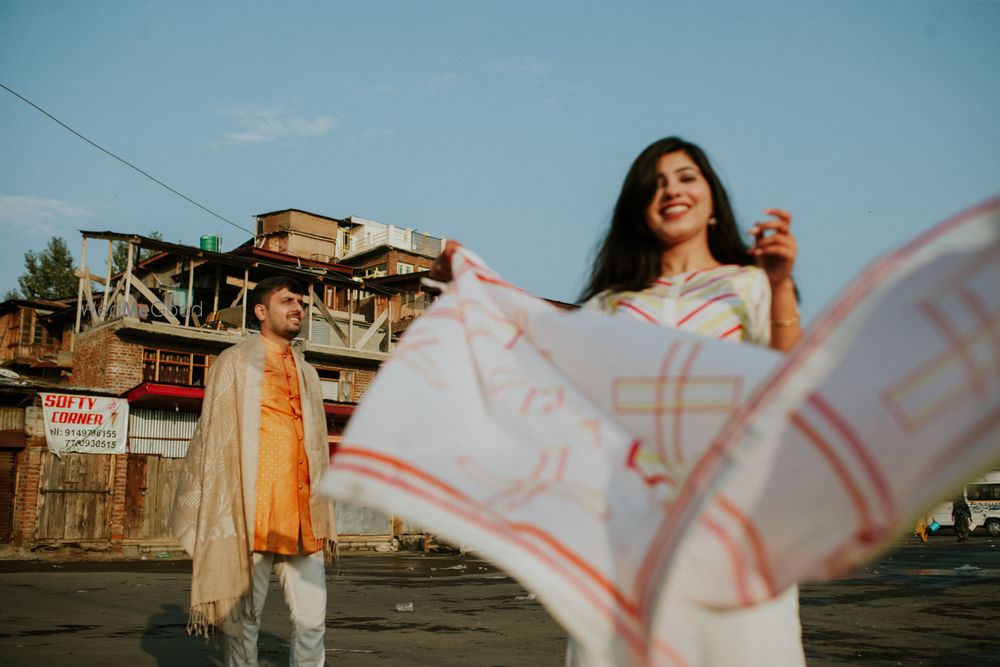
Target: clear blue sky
column 507, row 125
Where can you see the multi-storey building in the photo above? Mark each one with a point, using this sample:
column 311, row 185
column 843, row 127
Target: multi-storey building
column 150, row 332
column 36, row 337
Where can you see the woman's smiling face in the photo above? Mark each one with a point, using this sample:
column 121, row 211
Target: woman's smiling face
column 681, row 207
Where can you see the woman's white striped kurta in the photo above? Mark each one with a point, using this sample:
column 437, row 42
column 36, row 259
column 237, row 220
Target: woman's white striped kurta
column 727, row 302
column 733, row 303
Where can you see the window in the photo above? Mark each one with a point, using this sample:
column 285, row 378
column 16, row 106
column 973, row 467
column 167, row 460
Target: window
column 40, row 334
column 376, row 271
column 403, row 267
column 983, row 491
column 169, row 366
column 361, row 295
column 344, row 237
column 338, row 384
column 26, row 317
column 33, row 331
column 416, row 300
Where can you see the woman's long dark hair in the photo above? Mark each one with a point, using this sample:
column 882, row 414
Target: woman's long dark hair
column 629, row 257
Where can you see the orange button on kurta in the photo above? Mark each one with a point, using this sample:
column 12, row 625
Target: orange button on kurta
column 282, row 516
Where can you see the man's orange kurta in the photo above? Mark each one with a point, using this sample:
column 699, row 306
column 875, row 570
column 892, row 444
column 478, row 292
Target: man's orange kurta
column 283, row 468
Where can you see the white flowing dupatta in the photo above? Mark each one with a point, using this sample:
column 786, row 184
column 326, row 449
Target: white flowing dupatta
column 630, row 474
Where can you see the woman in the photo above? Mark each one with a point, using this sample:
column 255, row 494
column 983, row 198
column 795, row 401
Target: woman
column 673, row 248
column 673, row 229
column 673, row 256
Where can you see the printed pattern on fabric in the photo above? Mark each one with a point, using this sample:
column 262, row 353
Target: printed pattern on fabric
column 728, row 302
column 636, row 474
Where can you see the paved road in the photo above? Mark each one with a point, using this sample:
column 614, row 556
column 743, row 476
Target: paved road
column 932, row 605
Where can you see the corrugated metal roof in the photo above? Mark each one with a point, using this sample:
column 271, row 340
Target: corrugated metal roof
column 161, row 432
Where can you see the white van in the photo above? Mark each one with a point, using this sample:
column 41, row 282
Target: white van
column 983, row 495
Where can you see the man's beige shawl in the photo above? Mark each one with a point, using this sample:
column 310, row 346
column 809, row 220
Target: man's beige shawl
column 215, row 504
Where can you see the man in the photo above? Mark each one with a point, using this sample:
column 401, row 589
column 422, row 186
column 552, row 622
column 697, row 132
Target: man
column 961, row 515
column 246, row 497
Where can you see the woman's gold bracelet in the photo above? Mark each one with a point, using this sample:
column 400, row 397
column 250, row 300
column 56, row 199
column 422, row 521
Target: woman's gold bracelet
column 785, row 323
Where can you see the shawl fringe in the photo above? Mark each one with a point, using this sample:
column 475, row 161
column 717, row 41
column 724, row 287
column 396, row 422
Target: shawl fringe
column 205, row 617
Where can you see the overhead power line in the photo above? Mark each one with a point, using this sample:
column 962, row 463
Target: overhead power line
column 126, row 162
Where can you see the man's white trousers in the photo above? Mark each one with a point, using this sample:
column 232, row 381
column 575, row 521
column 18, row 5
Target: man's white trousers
column 303, row 580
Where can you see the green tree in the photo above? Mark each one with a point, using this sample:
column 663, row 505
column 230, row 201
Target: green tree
column 119, row 253
column 48, row 274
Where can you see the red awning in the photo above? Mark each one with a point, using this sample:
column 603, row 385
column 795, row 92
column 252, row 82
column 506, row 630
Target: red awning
column 338, row 410
column 156, row 396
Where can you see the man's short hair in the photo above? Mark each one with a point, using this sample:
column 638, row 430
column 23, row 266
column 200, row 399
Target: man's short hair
column 268, row 286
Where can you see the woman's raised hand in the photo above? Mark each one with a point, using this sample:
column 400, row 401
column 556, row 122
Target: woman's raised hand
column 774, row 246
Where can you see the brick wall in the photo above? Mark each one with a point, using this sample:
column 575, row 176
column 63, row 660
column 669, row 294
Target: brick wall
column 66, row 343
column 102, row 359
column 28, row 484
column 419, row 262
column 118, row 497
column 362, row 379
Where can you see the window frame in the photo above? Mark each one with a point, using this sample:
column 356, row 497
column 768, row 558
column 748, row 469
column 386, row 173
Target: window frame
column 344, row 377
column 158, row 364
column 987, row 492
